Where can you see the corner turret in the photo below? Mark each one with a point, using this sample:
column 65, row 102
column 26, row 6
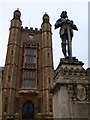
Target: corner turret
column 45, row 18
column 47, row 65
column 11, row 67
column 17, row 14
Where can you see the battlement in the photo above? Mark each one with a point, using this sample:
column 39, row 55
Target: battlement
column 35, row 30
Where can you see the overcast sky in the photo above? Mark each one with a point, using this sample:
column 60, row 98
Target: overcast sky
column 31, row 16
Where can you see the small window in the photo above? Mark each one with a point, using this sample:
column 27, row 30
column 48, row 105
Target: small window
column 8, row 78
column 48, row 55
column 50, row 104
column 50, row 108
column 37, row 82
column 11, row 52
column 5, row 104
column 13, row 34
column 49, row 80
column 47, row 37
column 39, row 104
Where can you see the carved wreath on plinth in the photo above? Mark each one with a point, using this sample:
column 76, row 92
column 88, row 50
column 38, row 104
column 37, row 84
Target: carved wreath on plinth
column 80, row 92
column 77, row 92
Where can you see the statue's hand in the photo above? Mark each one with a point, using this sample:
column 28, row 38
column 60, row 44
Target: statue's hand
column 70, row 22
column 75, row 27
column 56, row 25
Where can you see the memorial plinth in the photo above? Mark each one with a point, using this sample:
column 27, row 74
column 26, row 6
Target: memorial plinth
column 70, row 86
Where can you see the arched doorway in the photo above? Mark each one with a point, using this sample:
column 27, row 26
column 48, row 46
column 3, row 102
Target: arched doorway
column 28, row 111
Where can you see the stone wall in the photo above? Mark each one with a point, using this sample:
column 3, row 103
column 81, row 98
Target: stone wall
column 1, row 73
column 61, row 108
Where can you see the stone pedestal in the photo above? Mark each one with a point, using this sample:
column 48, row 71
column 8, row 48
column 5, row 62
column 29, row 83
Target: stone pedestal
column 71, row 90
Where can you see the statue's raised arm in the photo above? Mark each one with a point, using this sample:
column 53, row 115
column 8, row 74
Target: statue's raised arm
column 66, row 33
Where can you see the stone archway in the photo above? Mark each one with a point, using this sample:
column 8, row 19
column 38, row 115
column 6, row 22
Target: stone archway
column 28, row 110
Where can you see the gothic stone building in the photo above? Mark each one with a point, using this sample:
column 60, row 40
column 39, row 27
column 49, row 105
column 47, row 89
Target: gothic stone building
column 28, row 71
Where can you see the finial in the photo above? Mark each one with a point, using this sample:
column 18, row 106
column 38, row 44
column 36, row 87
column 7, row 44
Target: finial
column 17, row 14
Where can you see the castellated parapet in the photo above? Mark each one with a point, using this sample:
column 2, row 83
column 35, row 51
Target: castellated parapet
column 36, row 30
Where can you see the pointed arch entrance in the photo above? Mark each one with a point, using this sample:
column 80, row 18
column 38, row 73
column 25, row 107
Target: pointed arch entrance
column 28, row 111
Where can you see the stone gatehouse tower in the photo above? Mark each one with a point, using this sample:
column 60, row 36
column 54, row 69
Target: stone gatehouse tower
column 28, row 71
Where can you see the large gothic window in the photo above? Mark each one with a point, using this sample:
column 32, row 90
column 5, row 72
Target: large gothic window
column 28, row 111
column 29, row 79
column 29, row 75
column 30, row 56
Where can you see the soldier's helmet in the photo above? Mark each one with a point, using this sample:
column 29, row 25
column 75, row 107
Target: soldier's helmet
column 64, row 14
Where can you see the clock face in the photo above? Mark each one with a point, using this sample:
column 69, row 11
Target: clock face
column 80, row 92
column 31, row 36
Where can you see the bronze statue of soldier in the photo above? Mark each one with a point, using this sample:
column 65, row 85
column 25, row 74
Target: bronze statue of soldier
column 66, row 33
